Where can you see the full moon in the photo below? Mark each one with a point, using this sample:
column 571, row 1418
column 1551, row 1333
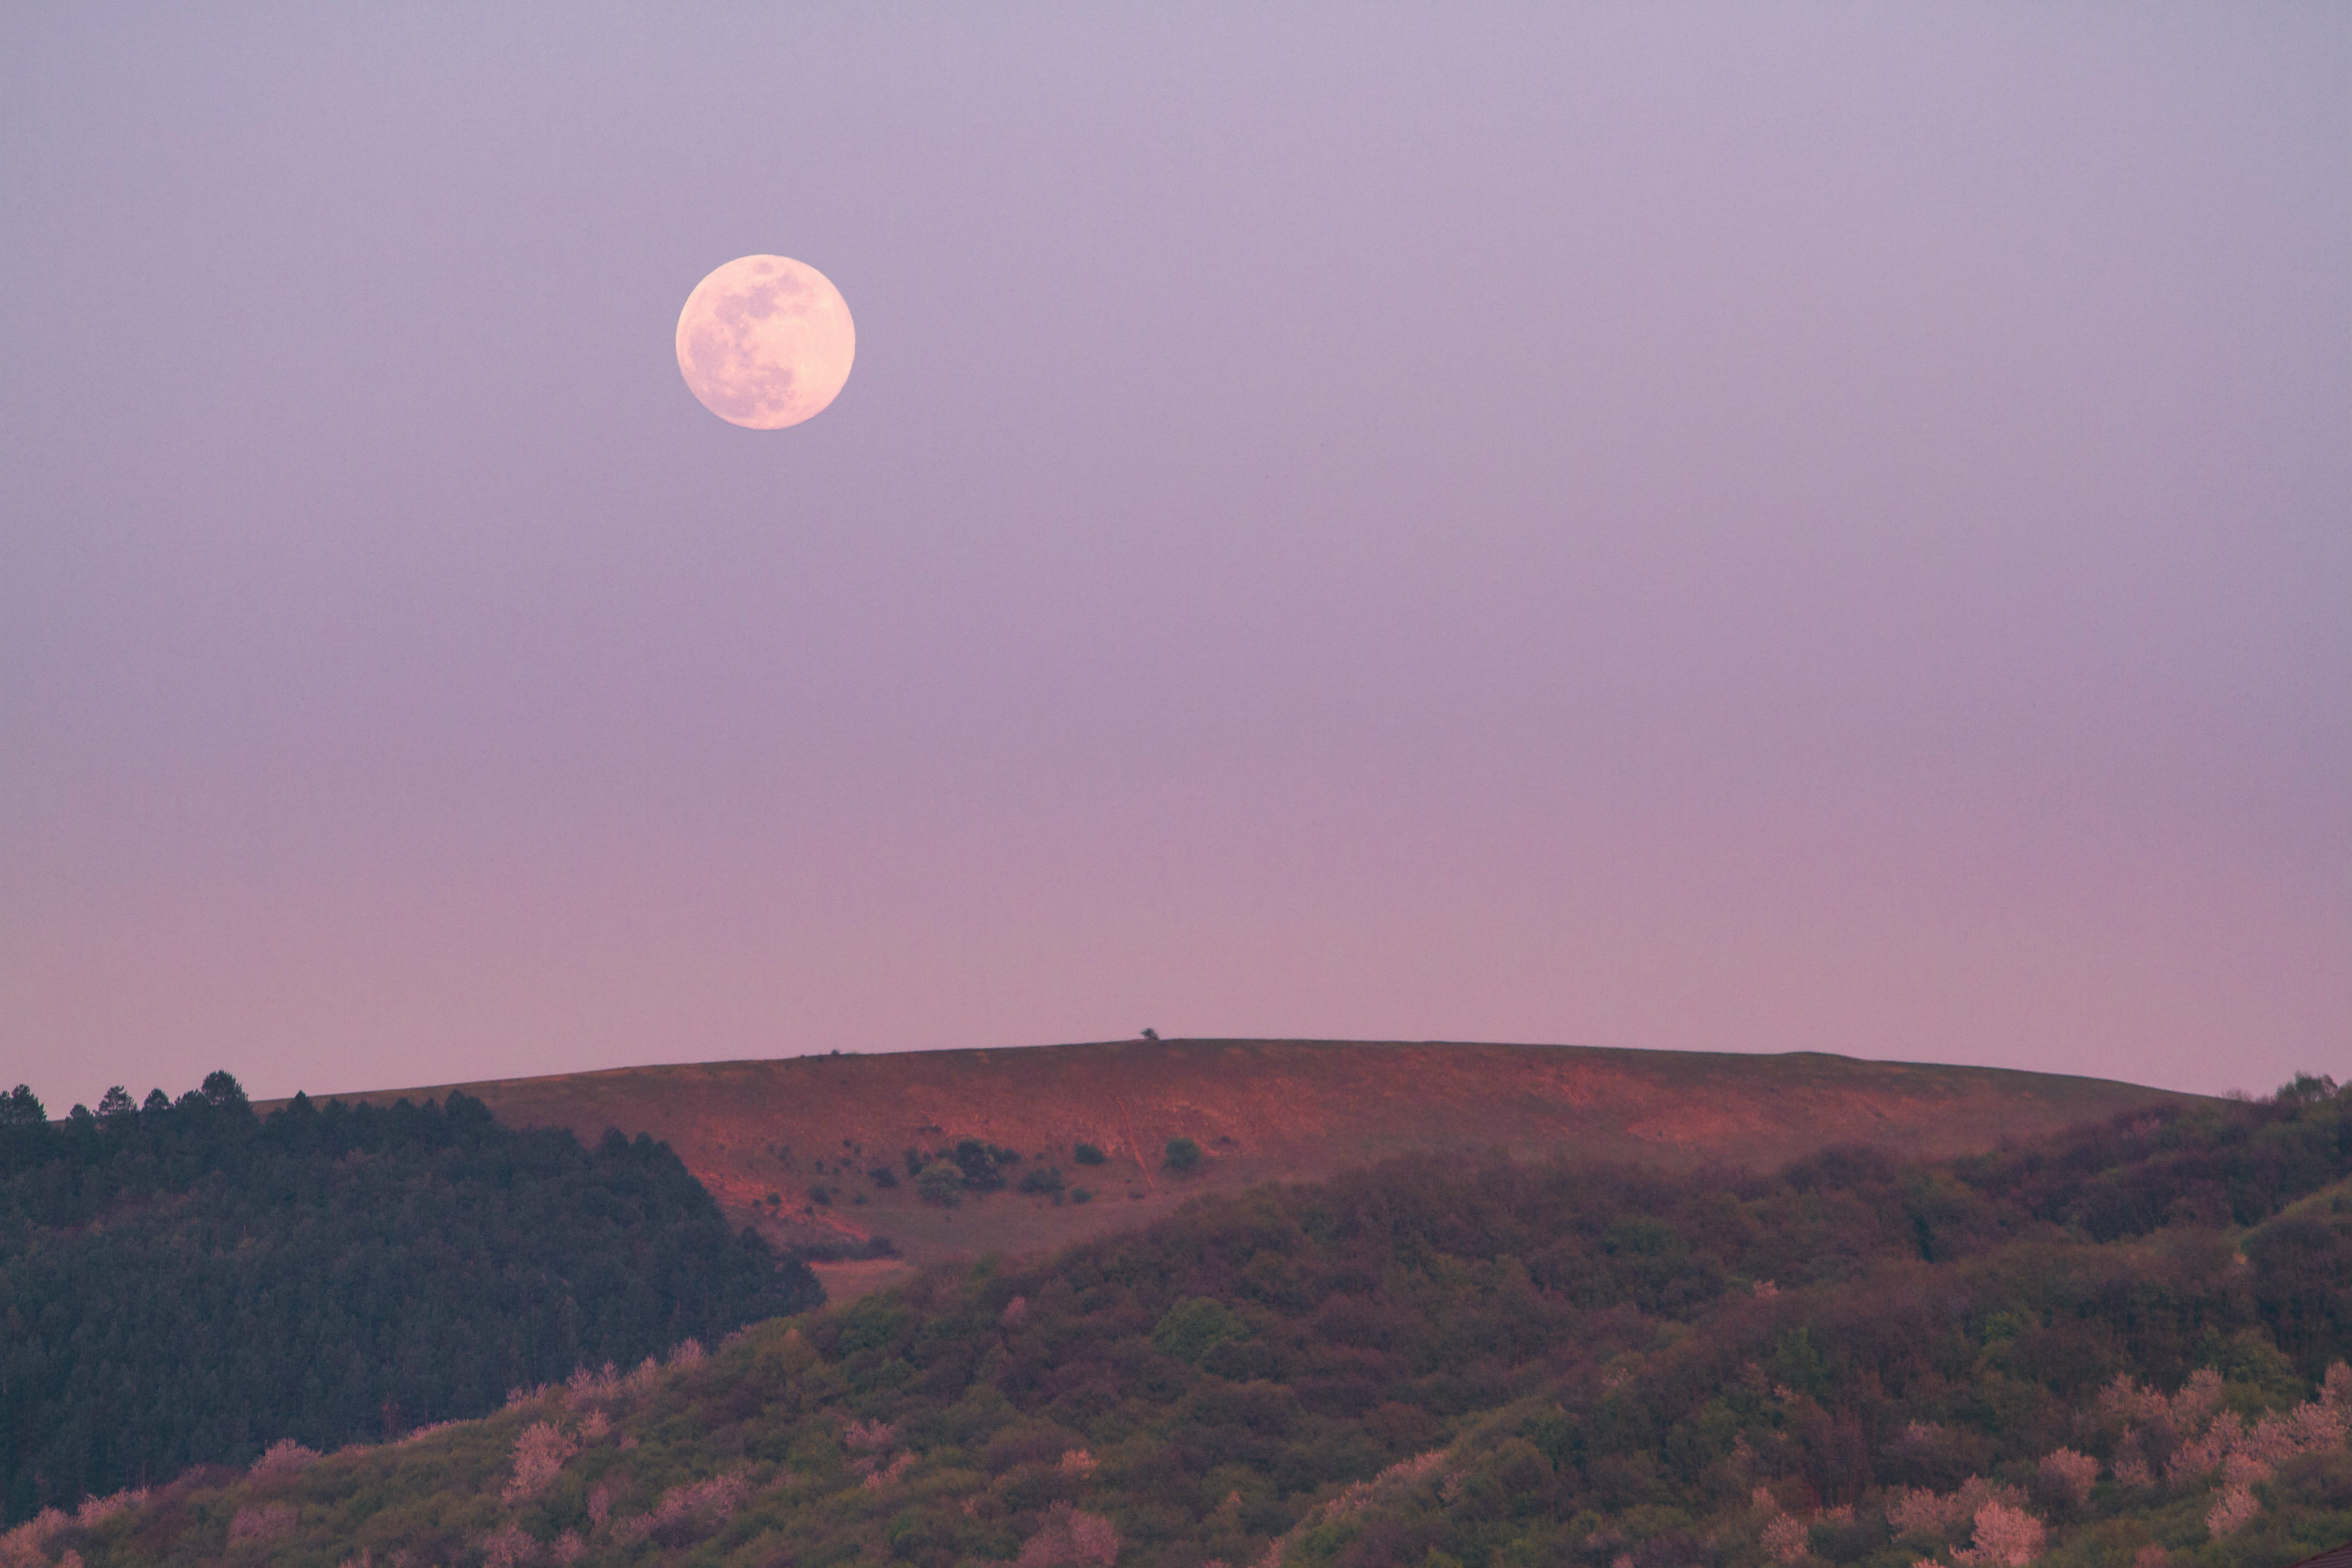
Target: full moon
column 765, row 342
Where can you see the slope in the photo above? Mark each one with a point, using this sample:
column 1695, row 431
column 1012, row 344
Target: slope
column 2121, row 1347
column 182, row 1283
column 812, row 1130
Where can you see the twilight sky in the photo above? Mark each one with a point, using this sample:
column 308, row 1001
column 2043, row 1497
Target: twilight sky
column 1724, row 528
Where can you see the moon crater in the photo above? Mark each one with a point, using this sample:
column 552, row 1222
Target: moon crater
column 765, row 342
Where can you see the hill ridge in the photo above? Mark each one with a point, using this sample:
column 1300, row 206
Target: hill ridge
column 810, row 1129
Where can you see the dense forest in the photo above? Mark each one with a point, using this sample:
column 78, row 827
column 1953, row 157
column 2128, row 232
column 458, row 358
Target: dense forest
column 2118, row 1348
column 184, row 1283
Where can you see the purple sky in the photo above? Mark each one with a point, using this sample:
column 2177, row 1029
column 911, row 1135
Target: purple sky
column 1711, row 527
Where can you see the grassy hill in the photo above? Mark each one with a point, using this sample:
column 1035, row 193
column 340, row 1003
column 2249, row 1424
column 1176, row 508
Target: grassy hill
column 2119, row 1347
column 1259, row 1110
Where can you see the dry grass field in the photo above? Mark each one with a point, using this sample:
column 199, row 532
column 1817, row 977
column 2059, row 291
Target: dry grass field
column 1260, row 1110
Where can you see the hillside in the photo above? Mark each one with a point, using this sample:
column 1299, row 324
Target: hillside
column 1260, row 1111
column 2119, row 1348
column 184, row 1283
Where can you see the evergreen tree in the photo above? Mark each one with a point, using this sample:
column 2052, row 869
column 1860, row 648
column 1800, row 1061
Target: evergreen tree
column 184, row 1283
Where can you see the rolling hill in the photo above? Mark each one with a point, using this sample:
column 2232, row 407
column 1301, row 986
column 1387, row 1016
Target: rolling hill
column 810, row 1130
column 2121, row 1347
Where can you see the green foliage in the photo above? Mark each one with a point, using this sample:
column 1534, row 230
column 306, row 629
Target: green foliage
column 1087, row 1155
column 1438, row 1365
column 941, row 1182
column 978, row 1163
column 1182, row 1157
column 2249, row 1360
column 1191, row 1328
column 1796, row 1365
column 182, row 1283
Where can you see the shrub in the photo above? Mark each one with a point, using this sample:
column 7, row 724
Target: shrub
column 283, row 1458
column 2005, row 1537
column 2068, row 1476
column 1189, row 1328
column 1087, row 1155
column 870, row 1437
column 98, row 1509
column 2232, row 1511
column 259, row 1526
column 843, row 1248
column 687, row 1513
column 540, row 1453
column 1042, row 1179
column 976, row 1161
column 508, row 1546
column 1182, row 1156
column 1069, row 1538
column 941, row 1183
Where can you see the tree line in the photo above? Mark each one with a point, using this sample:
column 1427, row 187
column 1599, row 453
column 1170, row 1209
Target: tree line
column 184, row 1283
column 2117, row 1346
